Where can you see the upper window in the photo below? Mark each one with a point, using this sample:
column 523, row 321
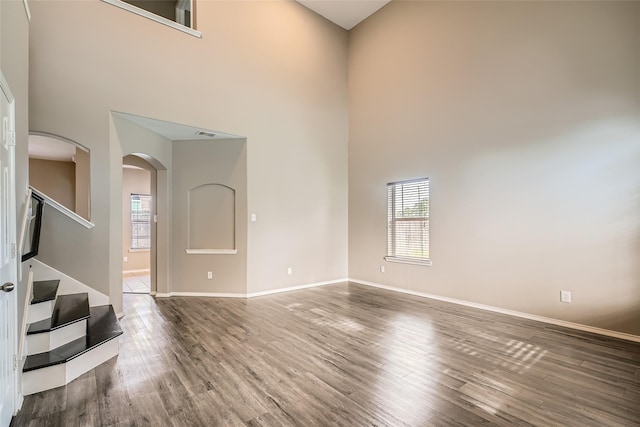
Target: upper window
column 140, row 221
column 178, row 14
column 174, row 10
column 408, row 221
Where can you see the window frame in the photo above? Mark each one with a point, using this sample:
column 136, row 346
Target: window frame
column 411, row 186
column 157, row 18
column 134, row 237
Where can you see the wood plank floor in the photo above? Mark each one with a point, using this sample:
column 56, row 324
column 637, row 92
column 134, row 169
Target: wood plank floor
column 345, row 355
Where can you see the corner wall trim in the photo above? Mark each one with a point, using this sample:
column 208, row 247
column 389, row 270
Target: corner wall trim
column 294, row 288
column 557, row 322
column 27, row 10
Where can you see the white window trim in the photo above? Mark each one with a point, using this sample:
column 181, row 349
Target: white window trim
column 135, row 250
column 159, row 19
column 426, row 262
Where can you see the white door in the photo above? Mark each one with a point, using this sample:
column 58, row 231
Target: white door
column 8, row 264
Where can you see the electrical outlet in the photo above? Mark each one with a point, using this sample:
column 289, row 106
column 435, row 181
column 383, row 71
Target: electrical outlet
column 209, row 274
column 289, row 271
column 382, row 269
column 565, row 296
column 126, row 259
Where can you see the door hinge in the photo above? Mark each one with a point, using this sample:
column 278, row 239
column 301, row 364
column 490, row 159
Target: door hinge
column 15, row 362
column 12, row 138
column 13, row 250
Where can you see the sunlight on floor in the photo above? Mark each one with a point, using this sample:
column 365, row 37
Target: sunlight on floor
column 136, row 282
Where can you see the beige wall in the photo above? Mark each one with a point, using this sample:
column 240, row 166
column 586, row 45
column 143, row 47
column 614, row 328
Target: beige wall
column 134, row 181
column 56, row 179
column 209, row 162
column 83, row 183
column 271, row 71
column 526, row 117
column 14, row 63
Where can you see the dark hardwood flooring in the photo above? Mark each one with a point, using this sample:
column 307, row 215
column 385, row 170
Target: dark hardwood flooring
column 345, row 355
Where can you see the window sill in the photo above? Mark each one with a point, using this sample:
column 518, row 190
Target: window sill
column 159, row 19
column 211, row 251
column 424, row 262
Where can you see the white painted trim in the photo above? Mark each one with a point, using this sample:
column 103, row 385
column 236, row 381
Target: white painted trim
column 400, row 260
column 294, row 288
column 63, row 209
column 23, row 229
column 61, row 374
column 47, row 341
column 43, row 379
column 199, row 294
column 248, row 295
column 142, row 270
column 152, row 16
column 68, row 285
column 211, row 251
column 557, row 322
column 89, row 360
column 4, row 85
column 23, row 328
column 27, row 10
column 19, row 402
column 39, row 311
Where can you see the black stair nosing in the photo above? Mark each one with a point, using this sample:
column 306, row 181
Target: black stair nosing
column 68, row 309
column 44, row 290
column 103, row 326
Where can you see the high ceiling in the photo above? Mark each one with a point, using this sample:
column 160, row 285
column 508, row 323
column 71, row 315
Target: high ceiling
column 346, row 13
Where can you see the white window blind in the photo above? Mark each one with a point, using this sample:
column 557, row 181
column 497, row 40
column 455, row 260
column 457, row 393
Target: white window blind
column 408, row 221
column 140, row 221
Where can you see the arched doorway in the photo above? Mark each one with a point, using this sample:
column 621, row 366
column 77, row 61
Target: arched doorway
column 139, row 185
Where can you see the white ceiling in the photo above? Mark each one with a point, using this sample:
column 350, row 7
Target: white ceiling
column 47, row 148
column 174, row 131
column 346, row 13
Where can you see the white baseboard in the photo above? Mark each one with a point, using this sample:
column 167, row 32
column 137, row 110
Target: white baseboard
column 144, row 270
column 19, row 402
column 557, row 322
column 199, row 294
column 68, row 285
column 62, row 374
column 247, row 295
column 294, row 288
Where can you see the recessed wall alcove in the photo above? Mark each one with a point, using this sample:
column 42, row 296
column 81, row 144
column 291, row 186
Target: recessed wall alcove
column 211, row 219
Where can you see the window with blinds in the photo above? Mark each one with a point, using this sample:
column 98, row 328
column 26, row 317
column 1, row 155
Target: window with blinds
column 140, row 221
column 408, row 221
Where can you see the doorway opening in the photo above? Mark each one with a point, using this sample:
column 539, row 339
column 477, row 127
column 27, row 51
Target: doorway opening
column 138, row 225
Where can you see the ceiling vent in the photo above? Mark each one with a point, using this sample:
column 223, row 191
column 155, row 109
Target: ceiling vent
column 205, row 133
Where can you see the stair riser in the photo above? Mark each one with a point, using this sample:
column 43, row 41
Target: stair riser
column 40, row 311
column 62, row 374
column 47, row 341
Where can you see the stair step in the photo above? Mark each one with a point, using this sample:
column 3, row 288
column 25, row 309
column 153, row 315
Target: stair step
column 44, row 290
column 67, row 310
column 102, row 326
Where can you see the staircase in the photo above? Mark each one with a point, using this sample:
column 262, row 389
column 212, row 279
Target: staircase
column 66, row 336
